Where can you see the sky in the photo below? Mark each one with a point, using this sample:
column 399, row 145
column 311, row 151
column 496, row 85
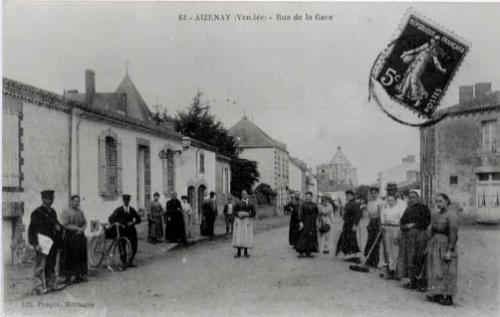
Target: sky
column 303, row 82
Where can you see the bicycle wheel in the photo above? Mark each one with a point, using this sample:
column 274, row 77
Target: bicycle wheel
column 96, row 251
column 121, row 253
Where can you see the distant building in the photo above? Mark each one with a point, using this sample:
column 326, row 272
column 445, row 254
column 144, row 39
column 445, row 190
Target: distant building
column 271, row 157
column 297, row 175
column 337, row 175
column 312, row 183
column 406, row 175
column 460, row 155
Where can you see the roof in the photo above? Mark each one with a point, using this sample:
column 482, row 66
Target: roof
column 136, row 106
column 111, row 101
column 490, row 102
column 52, row 100
column 339, row 158
column 298, row 162
column 251, row 136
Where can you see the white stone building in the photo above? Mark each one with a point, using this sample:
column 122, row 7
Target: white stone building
column 297, row 175
column 99, row 148
column 271, row 157
column 404, row 174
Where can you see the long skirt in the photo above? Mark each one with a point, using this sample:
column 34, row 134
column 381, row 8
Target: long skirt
column 74, row 255
column 373, row 229
column 391, row 245
column 442, row 275
column 362, row 233
column 412, row 254
column 307, row 241
column 347, row 243
column 243, row 233
column 155, row 228
column 293, row 232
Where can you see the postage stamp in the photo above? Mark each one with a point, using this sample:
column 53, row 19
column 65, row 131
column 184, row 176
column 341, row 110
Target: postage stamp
column 420, row 64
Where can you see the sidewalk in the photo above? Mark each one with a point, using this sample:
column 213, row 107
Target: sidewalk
column 18, row 279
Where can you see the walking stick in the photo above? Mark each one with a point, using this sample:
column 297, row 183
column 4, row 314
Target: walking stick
column 363, row 268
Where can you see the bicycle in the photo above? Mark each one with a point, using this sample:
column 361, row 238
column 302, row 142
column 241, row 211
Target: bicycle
column 118, row 252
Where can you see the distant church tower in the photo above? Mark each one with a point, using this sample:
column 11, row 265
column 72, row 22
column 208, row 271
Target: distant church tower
column 336, row 175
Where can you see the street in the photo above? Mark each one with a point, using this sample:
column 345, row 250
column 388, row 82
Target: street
column 205, row 280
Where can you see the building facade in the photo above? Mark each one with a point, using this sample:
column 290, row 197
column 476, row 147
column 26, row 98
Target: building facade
column 297, row 175
column 336, row 175
column 96, row 151
column 460, row 155
column 406, row 175
column 271, row 157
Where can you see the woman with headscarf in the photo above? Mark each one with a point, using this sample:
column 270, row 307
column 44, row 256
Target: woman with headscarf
column 155, row 224
column 374, row 207
column 307, row 240
column 413, row 224
column 442, row 253
column 74, row 253
column 325, row 225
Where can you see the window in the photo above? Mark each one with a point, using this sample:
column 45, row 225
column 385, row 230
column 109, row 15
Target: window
column 202, row 163
column 226, row 180
column 110, row 165
column 483, row 176
column 488, row 131
column 453, row 180
column 11, row 140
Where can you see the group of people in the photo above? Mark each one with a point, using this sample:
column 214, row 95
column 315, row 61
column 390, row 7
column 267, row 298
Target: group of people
column 403, row 238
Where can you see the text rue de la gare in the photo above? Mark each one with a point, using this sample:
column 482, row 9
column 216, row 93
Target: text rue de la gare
column 225, row 17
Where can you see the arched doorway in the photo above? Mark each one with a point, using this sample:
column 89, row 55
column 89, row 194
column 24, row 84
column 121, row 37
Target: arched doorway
column 202, row 189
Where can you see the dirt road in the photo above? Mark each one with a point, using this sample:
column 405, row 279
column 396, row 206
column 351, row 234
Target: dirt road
column 205, row 280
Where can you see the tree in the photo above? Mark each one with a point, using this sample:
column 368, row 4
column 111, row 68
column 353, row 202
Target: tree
column 197, row 123
column 244, row 175
column 265, row 193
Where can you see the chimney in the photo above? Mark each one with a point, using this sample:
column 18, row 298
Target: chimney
column 89, row 86
column 466, row 93
column 482, row 89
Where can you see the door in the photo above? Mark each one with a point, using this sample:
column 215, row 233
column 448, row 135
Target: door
column 191, row 197
column 143, row 178
column 201, row 198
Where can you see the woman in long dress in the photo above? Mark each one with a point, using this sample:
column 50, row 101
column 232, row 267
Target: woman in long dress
column 348, row 243
column 442, row 260
column 155, row 224
column 325, row 217
column 374, row 207
column 411, row 86
column 307, row 241
column 243, row 225
column 74, row 254
column 187, row 212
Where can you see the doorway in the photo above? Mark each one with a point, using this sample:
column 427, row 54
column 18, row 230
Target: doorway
column 143, row 178
column 201, row 198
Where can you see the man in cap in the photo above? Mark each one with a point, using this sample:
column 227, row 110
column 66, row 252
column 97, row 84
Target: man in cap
column 128, row 217
column 44, row 224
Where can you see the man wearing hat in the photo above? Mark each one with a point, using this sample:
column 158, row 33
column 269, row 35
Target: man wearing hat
column 392, row 190
column 44, row 223
column 128, row 217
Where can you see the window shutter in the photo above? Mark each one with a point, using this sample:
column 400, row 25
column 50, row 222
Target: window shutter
column 119, row 168
column 164, row 165
column 103, row 188
column 147, row 177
